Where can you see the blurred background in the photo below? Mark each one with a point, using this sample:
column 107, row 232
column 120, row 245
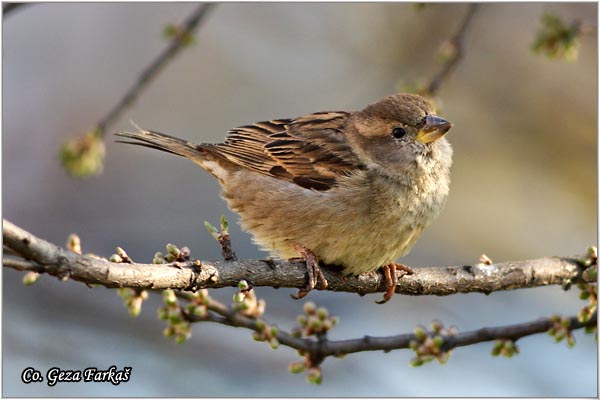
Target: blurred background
column 524, row 186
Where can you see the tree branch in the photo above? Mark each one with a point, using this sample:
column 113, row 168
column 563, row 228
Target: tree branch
column 194, row 275
column 456, row 51
column 327, row 348
column 178, row 42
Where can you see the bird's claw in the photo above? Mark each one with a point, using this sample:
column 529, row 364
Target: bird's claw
column 391, row 279
column 315, row 275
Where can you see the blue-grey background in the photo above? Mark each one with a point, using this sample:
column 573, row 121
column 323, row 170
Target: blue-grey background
column 524, row 186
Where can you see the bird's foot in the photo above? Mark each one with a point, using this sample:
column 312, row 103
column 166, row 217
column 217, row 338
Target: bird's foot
column 314, row 272
column 389, row 271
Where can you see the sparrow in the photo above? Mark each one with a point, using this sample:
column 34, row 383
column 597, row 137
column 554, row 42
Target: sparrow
column 352, row 189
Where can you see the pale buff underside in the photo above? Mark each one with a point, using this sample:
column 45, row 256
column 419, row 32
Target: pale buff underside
column 361, row 224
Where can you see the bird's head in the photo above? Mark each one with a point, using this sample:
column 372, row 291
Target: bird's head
column 399, row 132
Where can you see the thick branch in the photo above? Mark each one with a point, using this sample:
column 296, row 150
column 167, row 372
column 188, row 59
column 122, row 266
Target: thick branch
column 191, row 23
column 198, row 274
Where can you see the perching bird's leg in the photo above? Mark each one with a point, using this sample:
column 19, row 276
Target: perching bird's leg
column 389, row 271
column 314, row 272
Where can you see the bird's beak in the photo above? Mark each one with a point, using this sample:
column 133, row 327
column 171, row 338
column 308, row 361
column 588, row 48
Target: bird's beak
column 433, row 129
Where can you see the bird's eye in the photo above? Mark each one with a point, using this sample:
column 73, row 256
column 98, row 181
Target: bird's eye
column 398, row 133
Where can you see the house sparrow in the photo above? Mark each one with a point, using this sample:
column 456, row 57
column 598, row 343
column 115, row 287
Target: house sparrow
column 353, row 189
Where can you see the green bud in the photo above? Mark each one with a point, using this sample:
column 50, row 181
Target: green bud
column 158, row 258
column 169, row 297
column 173, row 250
column 420, row 333
column 314, row 376
column 169, row 331
column 302, row 320
column 443, row 357
column 506, row 352
column 175, row 318
column 436, row 326
column 243, row 285
column 135, row 307
column 570, row 340
column 261, row 325
column 30, row 278
column 560, row 335
column 297, row 367
column 552, row 331
column 84, row 155
column 121, row 252
column 74, row 243
column 115, row 258
column 565, row 322
column 238, row 297
column 182, row 337
column 224, row 225
column 315, row 324
column 212, row 230
column 589, row 329
column 274, row 330
column 584, row 295
column 438, row 341
column 274, row 343
column 427, row 358
column 258, row 337
column 586, row 262
column 322, row 313
column 592, row 252
column 510, row 345
column 413, row 345
column 200, row 311
column 592, row 273
column 309, row 308
column 416, row 362
column 584, row 315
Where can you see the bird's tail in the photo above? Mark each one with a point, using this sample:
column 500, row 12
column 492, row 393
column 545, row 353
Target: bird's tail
column 163, row 142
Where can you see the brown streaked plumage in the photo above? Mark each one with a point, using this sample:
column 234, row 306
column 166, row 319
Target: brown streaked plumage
column 354, row 189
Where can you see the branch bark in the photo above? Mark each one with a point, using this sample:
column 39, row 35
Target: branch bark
column 193, row 275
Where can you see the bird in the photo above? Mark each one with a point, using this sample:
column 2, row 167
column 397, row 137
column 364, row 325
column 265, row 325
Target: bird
column 352, row 189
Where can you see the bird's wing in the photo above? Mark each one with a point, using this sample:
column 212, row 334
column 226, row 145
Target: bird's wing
column 310, row 151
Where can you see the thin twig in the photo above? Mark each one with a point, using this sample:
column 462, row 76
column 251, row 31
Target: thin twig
column 190, row 24
column 324, row 348
column 194, row 275
column 226, row 249
column 457, row 45
column 21, row 265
